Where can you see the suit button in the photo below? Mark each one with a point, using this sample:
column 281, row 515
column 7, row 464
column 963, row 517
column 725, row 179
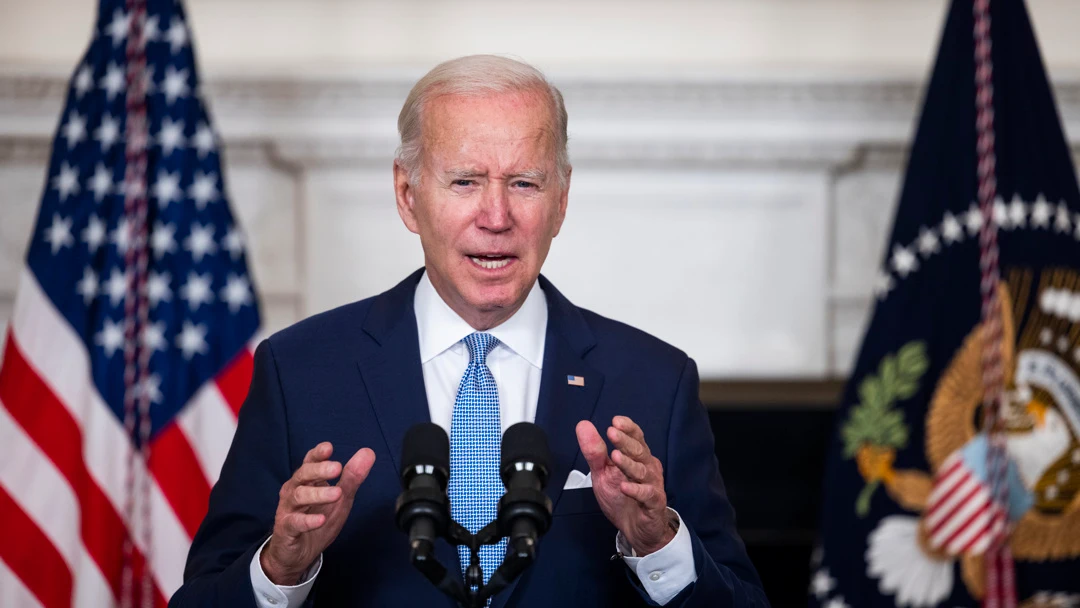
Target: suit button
column 655, row 576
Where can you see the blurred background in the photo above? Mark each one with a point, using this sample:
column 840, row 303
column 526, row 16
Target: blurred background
column 736, row 166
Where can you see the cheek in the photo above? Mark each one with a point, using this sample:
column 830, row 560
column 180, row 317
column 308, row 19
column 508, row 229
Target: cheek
column 442, row 224
column 546, row 223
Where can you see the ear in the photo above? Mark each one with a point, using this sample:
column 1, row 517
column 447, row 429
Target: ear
column 405, row 194
column 563, row 199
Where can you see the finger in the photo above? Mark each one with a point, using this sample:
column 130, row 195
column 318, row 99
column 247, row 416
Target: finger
column 307, row 496
column 592, row 446
column 315, row 472
column 295, row 524
column 646, row 494
column 356, row 471
column 319, row 453
column 635, row 471
column 628, row 445
column 628, row 426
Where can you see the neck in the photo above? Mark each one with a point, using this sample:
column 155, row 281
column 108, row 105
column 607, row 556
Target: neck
column 480, row 320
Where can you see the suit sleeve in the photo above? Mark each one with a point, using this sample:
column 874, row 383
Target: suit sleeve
column 244, row 500
column 725, row 576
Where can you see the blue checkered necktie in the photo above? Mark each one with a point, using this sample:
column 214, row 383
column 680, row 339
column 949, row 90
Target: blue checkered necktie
column 475, row 437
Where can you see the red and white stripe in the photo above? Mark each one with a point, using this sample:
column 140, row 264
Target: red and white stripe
column 63, row 475
column 960, row 511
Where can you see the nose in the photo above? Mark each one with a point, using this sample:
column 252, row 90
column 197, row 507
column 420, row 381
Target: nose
column 495, row 208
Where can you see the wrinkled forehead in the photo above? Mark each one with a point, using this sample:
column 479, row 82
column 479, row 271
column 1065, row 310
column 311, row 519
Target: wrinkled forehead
column 513, row 118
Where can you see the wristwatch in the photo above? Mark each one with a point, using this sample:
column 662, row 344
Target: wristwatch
column 673, row 523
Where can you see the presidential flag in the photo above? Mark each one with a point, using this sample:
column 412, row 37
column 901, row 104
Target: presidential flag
column 976, row 327
column 128, row 354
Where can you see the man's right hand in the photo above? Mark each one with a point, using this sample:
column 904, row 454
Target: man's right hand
column 311, row 512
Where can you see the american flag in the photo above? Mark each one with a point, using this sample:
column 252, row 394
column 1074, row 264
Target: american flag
column 128, row 354
column 961, row 515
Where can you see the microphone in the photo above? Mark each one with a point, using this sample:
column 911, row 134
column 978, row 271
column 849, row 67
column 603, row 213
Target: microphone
column 525, row 510
column 423, row 509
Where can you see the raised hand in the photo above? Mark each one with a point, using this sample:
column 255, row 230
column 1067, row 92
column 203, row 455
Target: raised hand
column 311, row 512
column 629, row 485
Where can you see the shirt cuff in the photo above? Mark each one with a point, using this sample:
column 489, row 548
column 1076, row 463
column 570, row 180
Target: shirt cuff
column 667, row 571
column 269, row 595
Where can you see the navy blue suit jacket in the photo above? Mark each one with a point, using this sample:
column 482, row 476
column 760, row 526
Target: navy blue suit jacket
column 352, row 376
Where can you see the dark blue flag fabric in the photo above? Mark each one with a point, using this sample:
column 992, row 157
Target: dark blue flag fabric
column 906, row 490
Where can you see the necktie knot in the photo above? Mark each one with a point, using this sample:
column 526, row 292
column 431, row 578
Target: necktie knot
column 480, row 345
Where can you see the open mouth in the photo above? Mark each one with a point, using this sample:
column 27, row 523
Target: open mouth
column 491, row 261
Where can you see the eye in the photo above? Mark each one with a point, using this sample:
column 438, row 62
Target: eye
column 524, row 184
column 464, row 183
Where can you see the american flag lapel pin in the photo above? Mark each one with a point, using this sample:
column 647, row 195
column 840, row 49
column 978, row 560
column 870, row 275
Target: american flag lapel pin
column 575, row 380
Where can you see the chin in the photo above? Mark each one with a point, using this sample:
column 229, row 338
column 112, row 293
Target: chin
column 490, row 298
column 490, row 302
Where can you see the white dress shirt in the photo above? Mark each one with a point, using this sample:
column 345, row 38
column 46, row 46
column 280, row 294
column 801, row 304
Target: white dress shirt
column 515, row 363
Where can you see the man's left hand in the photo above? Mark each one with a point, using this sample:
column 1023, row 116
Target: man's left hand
column 629, row 484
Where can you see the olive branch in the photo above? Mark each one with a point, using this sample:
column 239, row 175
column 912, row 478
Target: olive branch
column 874, row 422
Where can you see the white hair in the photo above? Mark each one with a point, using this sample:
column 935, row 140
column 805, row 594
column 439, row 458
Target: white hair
column 477, row 75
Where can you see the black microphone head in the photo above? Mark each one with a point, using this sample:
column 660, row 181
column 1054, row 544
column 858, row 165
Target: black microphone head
column 426, row 449
column 525, row 443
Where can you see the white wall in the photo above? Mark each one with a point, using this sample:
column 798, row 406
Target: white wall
column 744, row 35
column 731, row 195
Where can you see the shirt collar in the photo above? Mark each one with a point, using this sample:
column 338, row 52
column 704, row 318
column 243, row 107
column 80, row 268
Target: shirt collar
column 440, row 328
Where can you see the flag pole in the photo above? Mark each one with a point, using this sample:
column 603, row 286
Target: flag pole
column 136, row 314
column 1000, row 589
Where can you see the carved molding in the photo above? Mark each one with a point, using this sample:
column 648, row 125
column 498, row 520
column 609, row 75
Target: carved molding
column 713, row 122
column 885, row 97
column 24, row 150
column 624, row 153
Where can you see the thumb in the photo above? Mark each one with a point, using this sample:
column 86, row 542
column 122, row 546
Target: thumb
column 355, row 472
column 592, row 446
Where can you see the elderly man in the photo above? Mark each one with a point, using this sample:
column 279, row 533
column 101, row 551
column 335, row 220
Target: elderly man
column 475, row 341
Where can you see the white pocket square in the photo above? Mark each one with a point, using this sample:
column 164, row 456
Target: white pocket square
column 578, row 480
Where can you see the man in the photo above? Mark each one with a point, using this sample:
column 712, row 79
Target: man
column 475, row 342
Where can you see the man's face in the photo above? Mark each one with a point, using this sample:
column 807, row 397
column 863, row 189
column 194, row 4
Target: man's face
column 489, row 200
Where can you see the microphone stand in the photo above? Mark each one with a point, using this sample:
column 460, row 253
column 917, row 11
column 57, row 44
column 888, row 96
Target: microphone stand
column 528, row 508
column 475, row 593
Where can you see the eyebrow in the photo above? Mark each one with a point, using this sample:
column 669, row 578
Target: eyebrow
column 454, row 174
column 533, row 174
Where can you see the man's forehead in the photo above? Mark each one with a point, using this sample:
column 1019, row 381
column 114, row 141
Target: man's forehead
column 512, row 99
column 501, row 134
column 525, row 112
column 471, row 127
column 482, row 156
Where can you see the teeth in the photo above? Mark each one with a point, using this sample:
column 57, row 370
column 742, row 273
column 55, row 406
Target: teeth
column 489, row 264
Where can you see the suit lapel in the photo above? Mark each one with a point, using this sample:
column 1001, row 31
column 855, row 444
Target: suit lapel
column 391, row 368
column 560, row 405
column 395, row 380
column 395, row 386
